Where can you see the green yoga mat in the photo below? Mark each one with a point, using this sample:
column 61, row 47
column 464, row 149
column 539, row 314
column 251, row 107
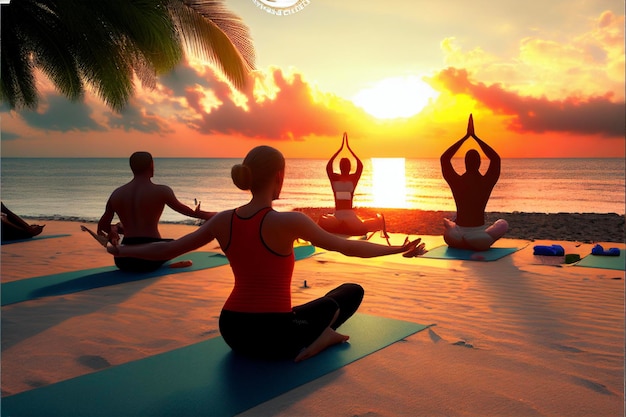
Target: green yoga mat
column 204, row 379
column 75, row 281
column 605, row 262
column 446, row 252
column 30, row 239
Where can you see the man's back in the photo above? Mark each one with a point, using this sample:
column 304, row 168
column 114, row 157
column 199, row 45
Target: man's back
column 139, row 205
column 471, row 193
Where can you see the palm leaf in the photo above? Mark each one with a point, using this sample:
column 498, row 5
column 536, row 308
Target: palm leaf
column 212, row 32
column 105, row 43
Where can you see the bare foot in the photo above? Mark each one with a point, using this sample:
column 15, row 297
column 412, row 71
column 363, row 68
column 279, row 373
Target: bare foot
column 328, row 338
column 36, row 229
column 181, row 264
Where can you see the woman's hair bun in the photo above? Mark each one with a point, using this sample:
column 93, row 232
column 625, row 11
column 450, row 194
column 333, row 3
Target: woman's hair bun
column 242, row 176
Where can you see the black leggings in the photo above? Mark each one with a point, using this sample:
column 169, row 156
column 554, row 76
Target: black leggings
column 284, row 335
column 137, row 264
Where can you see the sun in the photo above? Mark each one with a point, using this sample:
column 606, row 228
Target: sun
column 397, row 97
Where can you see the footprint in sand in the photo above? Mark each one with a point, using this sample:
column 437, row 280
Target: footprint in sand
column 595, row 386
column 434, row 336
column 36, row 383
column 94, row 362
column 464, row 344
column 565, row 348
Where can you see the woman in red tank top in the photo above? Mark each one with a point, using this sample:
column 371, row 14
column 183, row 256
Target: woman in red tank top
column 258, row 318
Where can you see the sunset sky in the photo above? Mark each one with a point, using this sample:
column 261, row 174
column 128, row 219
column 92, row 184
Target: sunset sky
column 542, row 78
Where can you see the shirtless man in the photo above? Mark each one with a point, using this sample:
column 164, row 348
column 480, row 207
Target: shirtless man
column 139, row 205
column 471, row 192
column 345, row 220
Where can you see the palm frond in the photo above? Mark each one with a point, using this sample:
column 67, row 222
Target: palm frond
column 17, row 81
column 105, row 43
column 212, row 32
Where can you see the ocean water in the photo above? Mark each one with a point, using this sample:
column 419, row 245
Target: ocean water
column 77, row 188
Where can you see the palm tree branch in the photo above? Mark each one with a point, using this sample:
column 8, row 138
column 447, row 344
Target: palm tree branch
column 211, row 32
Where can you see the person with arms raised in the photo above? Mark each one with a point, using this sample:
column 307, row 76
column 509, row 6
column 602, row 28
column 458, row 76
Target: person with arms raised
column 345, row 220
column 471, row 191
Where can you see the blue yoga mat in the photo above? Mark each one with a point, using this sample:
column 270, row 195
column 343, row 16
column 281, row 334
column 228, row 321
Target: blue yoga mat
column 204, row 379
column 30, row 239
column 446, row 252
column 86, row 279
column 605, row 262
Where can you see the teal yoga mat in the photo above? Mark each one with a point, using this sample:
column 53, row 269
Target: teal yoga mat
column 30, row 239
column 86, row 279
column 446, row 252
column 204, row 379
column 605, row 262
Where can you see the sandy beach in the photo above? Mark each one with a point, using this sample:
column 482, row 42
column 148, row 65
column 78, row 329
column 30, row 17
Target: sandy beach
column 519, row 336
column 581, row 227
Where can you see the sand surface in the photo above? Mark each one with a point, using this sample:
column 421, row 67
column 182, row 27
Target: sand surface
column 514, row 337
column 581, row 227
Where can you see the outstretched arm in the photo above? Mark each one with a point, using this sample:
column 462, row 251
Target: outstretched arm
column 303, row 227
column 166, row 250
column 175, row 204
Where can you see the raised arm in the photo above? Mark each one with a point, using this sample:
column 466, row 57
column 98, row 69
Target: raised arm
column 493, row 172
column 494, row 159
column 446, row 158
column 329, row 166
column 359, row 164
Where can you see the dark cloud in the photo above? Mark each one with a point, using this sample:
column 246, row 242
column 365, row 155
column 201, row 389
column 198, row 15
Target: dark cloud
column 181, row 78
column 131, row 118
column 61, row 115
column 593, row 115
column 56, row 113
column 292, row 115
column 6, row 136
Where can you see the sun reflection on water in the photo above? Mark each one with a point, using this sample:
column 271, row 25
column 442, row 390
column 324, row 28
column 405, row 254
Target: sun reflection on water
column 389, row 182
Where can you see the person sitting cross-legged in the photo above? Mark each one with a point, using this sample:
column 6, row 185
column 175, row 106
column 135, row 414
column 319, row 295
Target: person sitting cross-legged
column 471, row 191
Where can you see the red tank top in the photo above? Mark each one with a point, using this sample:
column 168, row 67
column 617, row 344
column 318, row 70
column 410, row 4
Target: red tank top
column 262, row 277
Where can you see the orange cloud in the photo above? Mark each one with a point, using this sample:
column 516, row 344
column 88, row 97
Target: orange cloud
column 577, row 115
column 546, row 64
column 192, row 112
column 291, row 111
